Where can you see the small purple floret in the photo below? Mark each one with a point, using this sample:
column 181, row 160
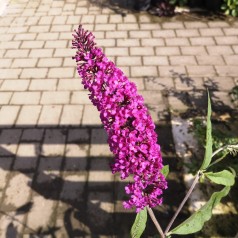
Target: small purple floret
column 129, row 126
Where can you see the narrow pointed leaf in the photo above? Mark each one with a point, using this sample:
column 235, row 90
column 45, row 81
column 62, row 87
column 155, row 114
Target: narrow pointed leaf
column 224, row 177
column 139, row 224
column 165, row 170
column 196, row 221
column 208, row 151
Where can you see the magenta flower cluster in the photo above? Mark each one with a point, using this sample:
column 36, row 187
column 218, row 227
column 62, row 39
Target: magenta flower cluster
column 129, row 126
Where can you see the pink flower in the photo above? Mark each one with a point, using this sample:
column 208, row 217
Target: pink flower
column 129, row 126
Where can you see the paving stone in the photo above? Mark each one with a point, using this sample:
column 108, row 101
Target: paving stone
column 195, row 24
column 152, row 97
column 221, row 100
column 73, row 187
column 43, row 85
column 218, row 24
column 45, row 20
column 26, row 157
column 40, row 53
column 38, row 29
column 81, row 97
column 116, row 19
column 177, row 42
column 112, row 34
column 155, row 60
column 17, row 53
column 231, row 31
column 41, row 213
column 59, row 97
column 187, row 32
column 166, row 50
column 26, row 63
column 102, row 19
column 50, row 115
column 176, row 104
column 117, row 52
column 219, row 83
column 6, row 163
column 10, row 45
column 54, row 141
column 61, row 72
column 61, row 20
column 128, row 61
column 15, row 85
column 22, row 98
column 49, row 62
column 74, row 19
column 200, row 70
column 139, row 82
column 99, row 145
column 5, row 63
column 219, row 50
column 231, row 59
column 129, row 18
column 28, row 115
column 48, row 36
column 173, row 25
column 182, row 60
column 105, row 27
column 106, row 42
column 8, row 115
column 64, row 52
column 56, row 44
column 10, row 73
column 163, row 33
column 140, row 51
column 100, row 210
column 226, row 40
column 70, row 84
column 143, row 71
column 169, row 71
column 32, row 135
column 152, row 42
column 227, row 70
column 9, row 140
column 17, row 192
column 5, row 97
column 211, row 32
column 140, row 34
column 210, row 59
column 159, row 83
column 193, row 50
column 71, row 115
column 185, row 83
column 202, row 41
column 91, row 116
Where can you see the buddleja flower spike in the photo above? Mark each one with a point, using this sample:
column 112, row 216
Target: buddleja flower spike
column 129, row 126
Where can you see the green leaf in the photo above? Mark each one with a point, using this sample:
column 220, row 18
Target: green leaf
column 234, row 13
column 196, row 221
column 139, row 224
column 224, row 177
column 208, row 152
column 165, row 170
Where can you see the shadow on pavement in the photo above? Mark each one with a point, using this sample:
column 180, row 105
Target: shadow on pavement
column 89, row 198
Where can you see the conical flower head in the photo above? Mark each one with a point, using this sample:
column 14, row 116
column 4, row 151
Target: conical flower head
column 129, row 126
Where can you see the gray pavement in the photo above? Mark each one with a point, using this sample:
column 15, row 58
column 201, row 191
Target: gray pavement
column 54, row 157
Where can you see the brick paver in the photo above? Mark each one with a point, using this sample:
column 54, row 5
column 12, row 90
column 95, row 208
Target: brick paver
column 54, row 173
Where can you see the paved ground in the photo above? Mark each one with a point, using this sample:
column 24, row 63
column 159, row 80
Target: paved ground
column 54, row 172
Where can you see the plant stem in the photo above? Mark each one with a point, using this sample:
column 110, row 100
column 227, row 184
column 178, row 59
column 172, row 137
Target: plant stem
column 218, row 160
column 183, row 202
column 157, row 225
